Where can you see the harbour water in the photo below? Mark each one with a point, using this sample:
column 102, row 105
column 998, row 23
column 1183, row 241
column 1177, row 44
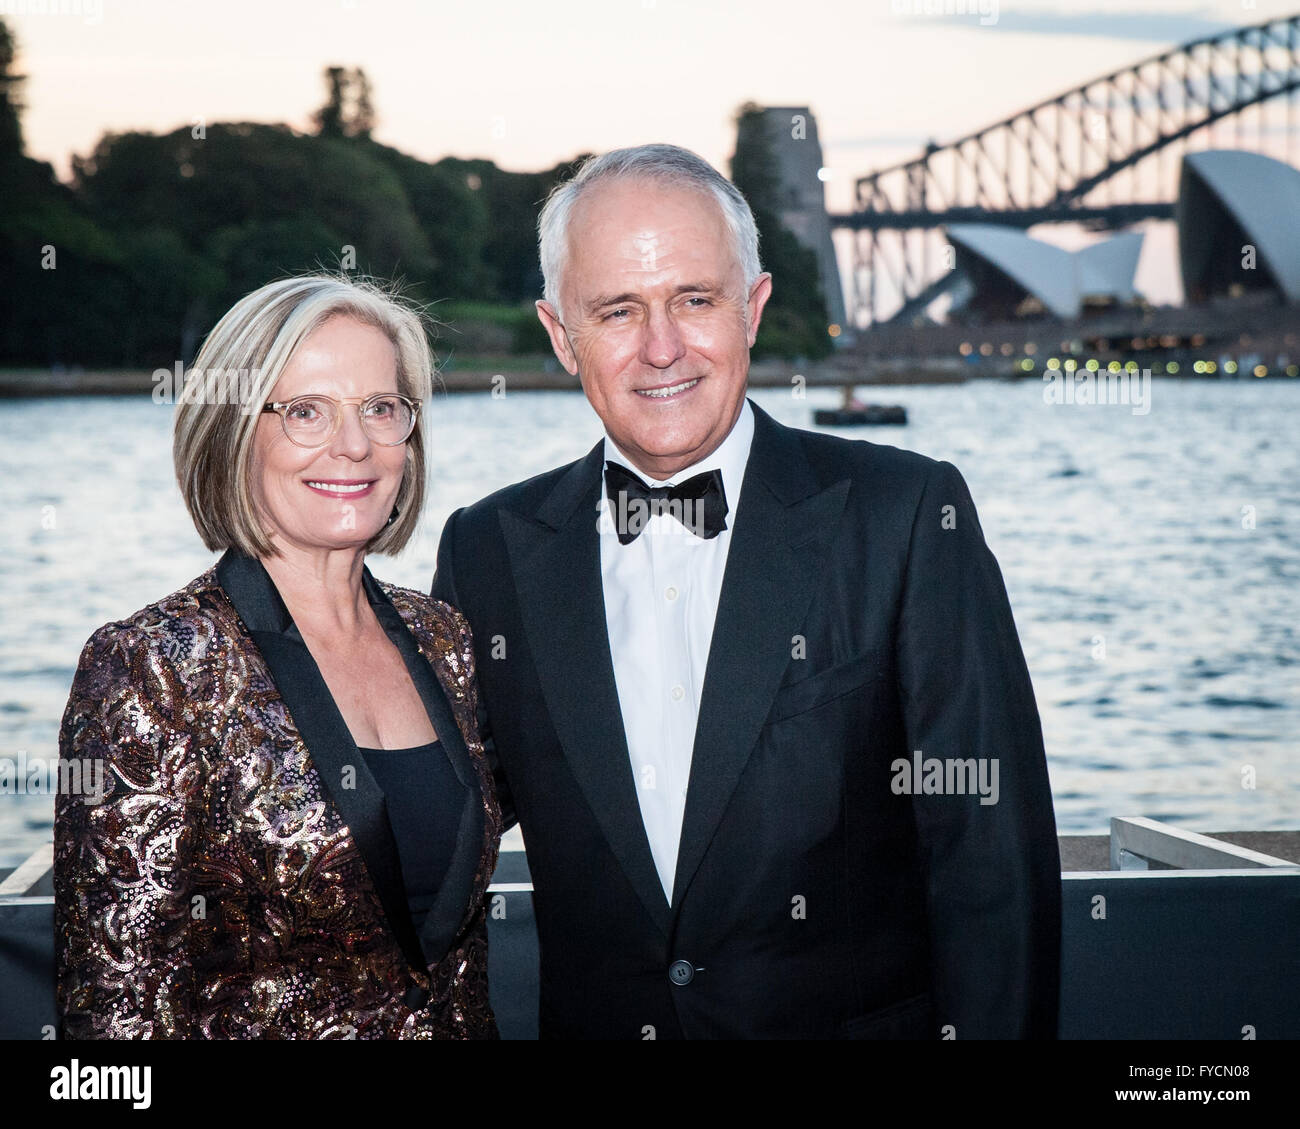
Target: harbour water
column 1153, row 563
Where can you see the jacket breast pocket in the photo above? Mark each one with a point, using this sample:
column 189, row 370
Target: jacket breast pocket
column 912, row 1018
column 825, row 686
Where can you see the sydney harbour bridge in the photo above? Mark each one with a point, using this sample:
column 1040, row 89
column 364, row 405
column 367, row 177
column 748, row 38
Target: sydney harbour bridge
column 1104, row 156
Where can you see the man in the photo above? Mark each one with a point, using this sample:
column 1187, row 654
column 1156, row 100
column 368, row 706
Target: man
column 769, row 735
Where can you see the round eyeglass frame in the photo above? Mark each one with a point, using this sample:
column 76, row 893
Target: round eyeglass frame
column 280, row 407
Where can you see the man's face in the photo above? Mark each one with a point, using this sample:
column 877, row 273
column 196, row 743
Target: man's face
column 657, row 321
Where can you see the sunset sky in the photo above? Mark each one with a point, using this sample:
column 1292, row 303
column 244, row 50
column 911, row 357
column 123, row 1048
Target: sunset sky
column 530, row 84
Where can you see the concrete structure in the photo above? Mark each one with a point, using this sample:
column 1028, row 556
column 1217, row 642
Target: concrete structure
column 1238, row 219
column 792, row 133
column 1000, row 268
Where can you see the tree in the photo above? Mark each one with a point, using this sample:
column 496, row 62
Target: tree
column 512, row 201
column 11, row 107
column 454, row 220
column 348, row 109
column 326, row 195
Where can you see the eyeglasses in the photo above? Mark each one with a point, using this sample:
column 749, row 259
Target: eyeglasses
column 312, row 421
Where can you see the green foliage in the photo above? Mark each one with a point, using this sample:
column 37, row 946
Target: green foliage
column 157, row 235
column 513, row 202
column 453, row 219
column 347, row 111
column 63, row 276
column 11, row 130
column 490, row 327
column 239, row 172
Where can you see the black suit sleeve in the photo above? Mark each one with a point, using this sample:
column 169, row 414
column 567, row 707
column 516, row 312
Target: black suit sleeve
column 444, row 588
column 992, row 870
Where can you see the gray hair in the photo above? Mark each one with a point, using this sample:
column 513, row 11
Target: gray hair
column 215, row 424
column 663, row 164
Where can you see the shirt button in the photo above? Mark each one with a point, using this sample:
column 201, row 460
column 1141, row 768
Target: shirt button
column 670, row 593
column 678, row 693
column 681, row 972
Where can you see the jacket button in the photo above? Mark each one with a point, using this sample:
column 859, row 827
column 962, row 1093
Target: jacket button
column 681, row 972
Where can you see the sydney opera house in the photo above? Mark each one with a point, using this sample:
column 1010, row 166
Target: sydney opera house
column 1014, row 303
column 1239, row 226
column 1238, row 218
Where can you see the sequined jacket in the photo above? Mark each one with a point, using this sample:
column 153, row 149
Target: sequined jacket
column 228, row 869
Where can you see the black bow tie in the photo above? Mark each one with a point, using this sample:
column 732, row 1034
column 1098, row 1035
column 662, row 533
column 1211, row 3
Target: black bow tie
column 699, row 503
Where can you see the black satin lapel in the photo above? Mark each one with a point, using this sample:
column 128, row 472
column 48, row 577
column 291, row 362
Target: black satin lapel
column 329, row 744
column 252, row 592
column 450, row 904
column 562, row 602
column 776, row 556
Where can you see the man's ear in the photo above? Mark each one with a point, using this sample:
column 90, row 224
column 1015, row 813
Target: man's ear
column 559, row 339
column 759, row 293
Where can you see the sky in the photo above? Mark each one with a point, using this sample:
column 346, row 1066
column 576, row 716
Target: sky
column 529, row 84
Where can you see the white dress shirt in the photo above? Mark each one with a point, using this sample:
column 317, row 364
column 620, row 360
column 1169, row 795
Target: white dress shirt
column 661, row 598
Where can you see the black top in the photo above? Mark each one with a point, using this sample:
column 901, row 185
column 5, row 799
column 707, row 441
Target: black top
column 425, row 801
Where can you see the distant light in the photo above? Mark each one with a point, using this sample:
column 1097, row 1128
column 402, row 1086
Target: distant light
column 1030, row 349
column 1026, row 365
column 1293, row 370
column 1114, row 366
column 1172, row 368
column 1132, row 366
column 1261, row 370
column 1071, row 364
column 1229, row 366
column 964, row 349
column 834, row 330
column 1053, row 363
column 474, row 182
column 1211, row 367
column 824, row 174
column 986, row 350
column 1199, row 366
column 1092, row 365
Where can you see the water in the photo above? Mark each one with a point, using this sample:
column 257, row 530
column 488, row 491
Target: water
column 1162, row 632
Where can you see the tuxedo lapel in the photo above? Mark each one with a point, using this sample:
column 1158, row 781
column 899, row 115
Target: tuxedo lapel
column 555, row 560
column 329, row 743
column 443, row 920
column 779, row 546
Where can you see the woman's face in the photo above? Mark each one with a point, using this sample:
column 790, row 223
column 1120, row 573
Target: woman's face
column 338, row 495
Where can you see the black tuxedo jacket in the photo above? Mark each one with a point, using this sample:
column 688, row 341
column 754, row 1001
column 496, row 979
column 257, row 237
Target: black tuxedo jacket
column 818, row 893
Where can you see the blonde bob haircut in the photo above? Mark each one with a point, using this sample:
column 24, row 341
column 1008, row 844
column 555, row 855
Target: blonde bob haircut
column 233, row 376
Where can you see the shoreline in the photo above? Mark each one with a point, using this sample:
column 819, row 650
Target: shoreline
column 35, row 383
column 17, row 384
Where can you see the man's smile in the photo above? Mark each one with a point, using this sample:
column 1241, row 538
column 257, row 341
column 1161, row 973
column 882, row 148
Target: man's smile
column 668, row 391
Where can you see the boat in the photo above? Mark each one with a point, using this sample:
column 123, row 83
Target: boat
column 856, row 415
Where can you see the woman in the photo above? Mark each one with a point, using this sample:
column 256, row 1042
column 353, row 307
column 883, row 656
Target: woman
column 297, row 824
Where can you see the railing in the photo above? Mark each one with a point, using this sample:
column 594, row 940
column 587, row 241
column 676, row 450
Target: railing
column 1185, row 937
